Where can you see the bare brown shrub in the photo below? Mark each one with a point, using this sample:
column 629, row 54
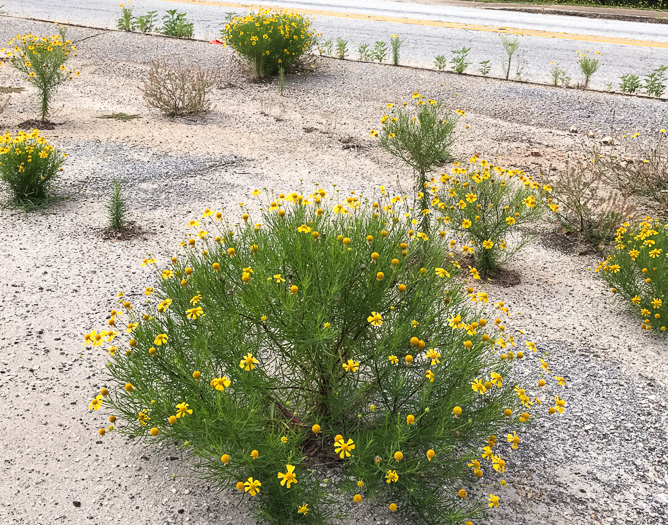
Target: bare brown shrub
column 179, row 90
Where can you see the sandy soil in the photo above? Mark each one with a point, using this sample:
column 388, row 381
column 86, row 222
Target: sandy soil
column 604, row 461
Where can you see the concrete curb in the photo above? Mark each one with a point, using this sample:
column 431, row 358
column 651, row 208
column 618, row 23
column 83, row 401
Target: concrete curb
column 417, row 68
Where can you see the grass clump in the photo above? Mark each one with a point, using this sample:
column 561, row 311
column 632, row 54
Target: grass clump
column 179, row 90
column 421, row 135
column 637, row 271
column 483, row 205
column 123, row 117
column 270, row 39
column 307, row 338
column 43, row 61
column 117, row 208
column 29, row 166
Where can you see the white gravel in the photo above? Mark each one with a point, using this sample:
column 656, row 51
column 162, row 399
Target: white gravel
column 603, row 461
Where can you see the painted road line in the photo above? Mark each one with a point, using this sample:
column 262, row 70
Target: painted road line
column 449, row 25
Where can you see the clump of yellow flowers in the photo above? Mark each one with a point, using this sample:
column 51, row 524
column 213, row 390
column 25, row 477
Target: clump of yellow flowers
column 483, row 204
column 29, row 166
column 637, row 270
column 270, row 39
column 43, row 61
column 315, row 334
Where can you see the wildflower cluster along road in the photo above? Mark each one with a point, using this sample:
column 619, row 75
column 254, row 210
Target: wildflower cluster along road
column 589, row 451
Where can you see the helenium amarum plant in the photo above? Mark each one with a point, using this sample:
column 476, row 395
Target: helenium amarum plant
column 43, row 60
column 306, row 337
column 29, row 166
column 421, row 135
column 637, row 271
column 270, row 39
column 482, row 204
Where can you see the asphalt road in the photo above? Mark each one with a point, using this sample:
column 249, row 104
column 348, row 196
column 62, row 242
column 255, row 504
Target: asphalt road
column 428, row 30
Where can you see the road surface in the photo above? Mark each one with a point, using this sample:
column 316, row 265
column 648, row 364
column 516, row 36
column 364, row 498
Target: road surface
column 428, row 30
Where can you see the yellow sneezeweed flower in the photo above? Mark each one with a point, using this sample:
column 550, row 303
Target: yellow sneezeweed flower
column 343, row 448
column 194, row 313
column 96, row 403
column 248, row 362
column 252, row 486
column 375, row 319
column 220, row 383
column 183, row 409
column 160, row 339
column 303, row 509
column 493, row 501
column 351, row 366
column 289, row 477
column 514, row 439
column 391, row 476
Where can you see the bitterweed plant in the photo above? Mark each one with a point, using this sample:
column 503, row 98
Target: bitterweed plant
column 482, row 204
column 43, row 61
column 637, row 270
column 29, row 165
column 510, row 46
column 117, row 207
column 270, row 39
column 307, row 338
column 588, row 66
column 396, row 43
column 421, row 135
column 341, row 48
column 126, row 21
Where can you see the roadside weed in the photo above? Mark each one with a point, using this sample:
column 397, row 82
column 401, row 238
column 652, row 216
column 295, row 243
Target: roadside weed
column 42, row 60
column 629, row 83
column 307, row 338
column 379, row 52
column 125, row 22
column 176, row 24
column 440, row 62
column 510, row 46
column 341, row 48
column 588, row 66
column 655, row 82
column 270, row 39
column 460, row 60
column 117, row 207
column 482, row 204
column 29, row 165
column 421, row 135
column 396, row 43
column 637, row 271
column 485, row 67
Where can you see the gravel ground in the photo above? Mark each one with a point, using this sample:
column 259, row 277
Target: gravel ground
column 603, row 461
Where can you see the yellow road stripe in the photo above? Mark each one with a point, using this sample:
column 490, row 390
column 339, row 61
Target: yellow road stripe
column 449, row 25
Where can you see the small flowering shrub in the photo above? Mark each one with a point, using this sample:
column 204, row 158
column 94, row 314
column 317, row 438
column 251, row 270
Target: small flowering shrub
column 421, row 135
column 42, row 60
column 637, row 270
column 319, row 336
column 270, row 39
column 483, row 204
column 29, row 165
